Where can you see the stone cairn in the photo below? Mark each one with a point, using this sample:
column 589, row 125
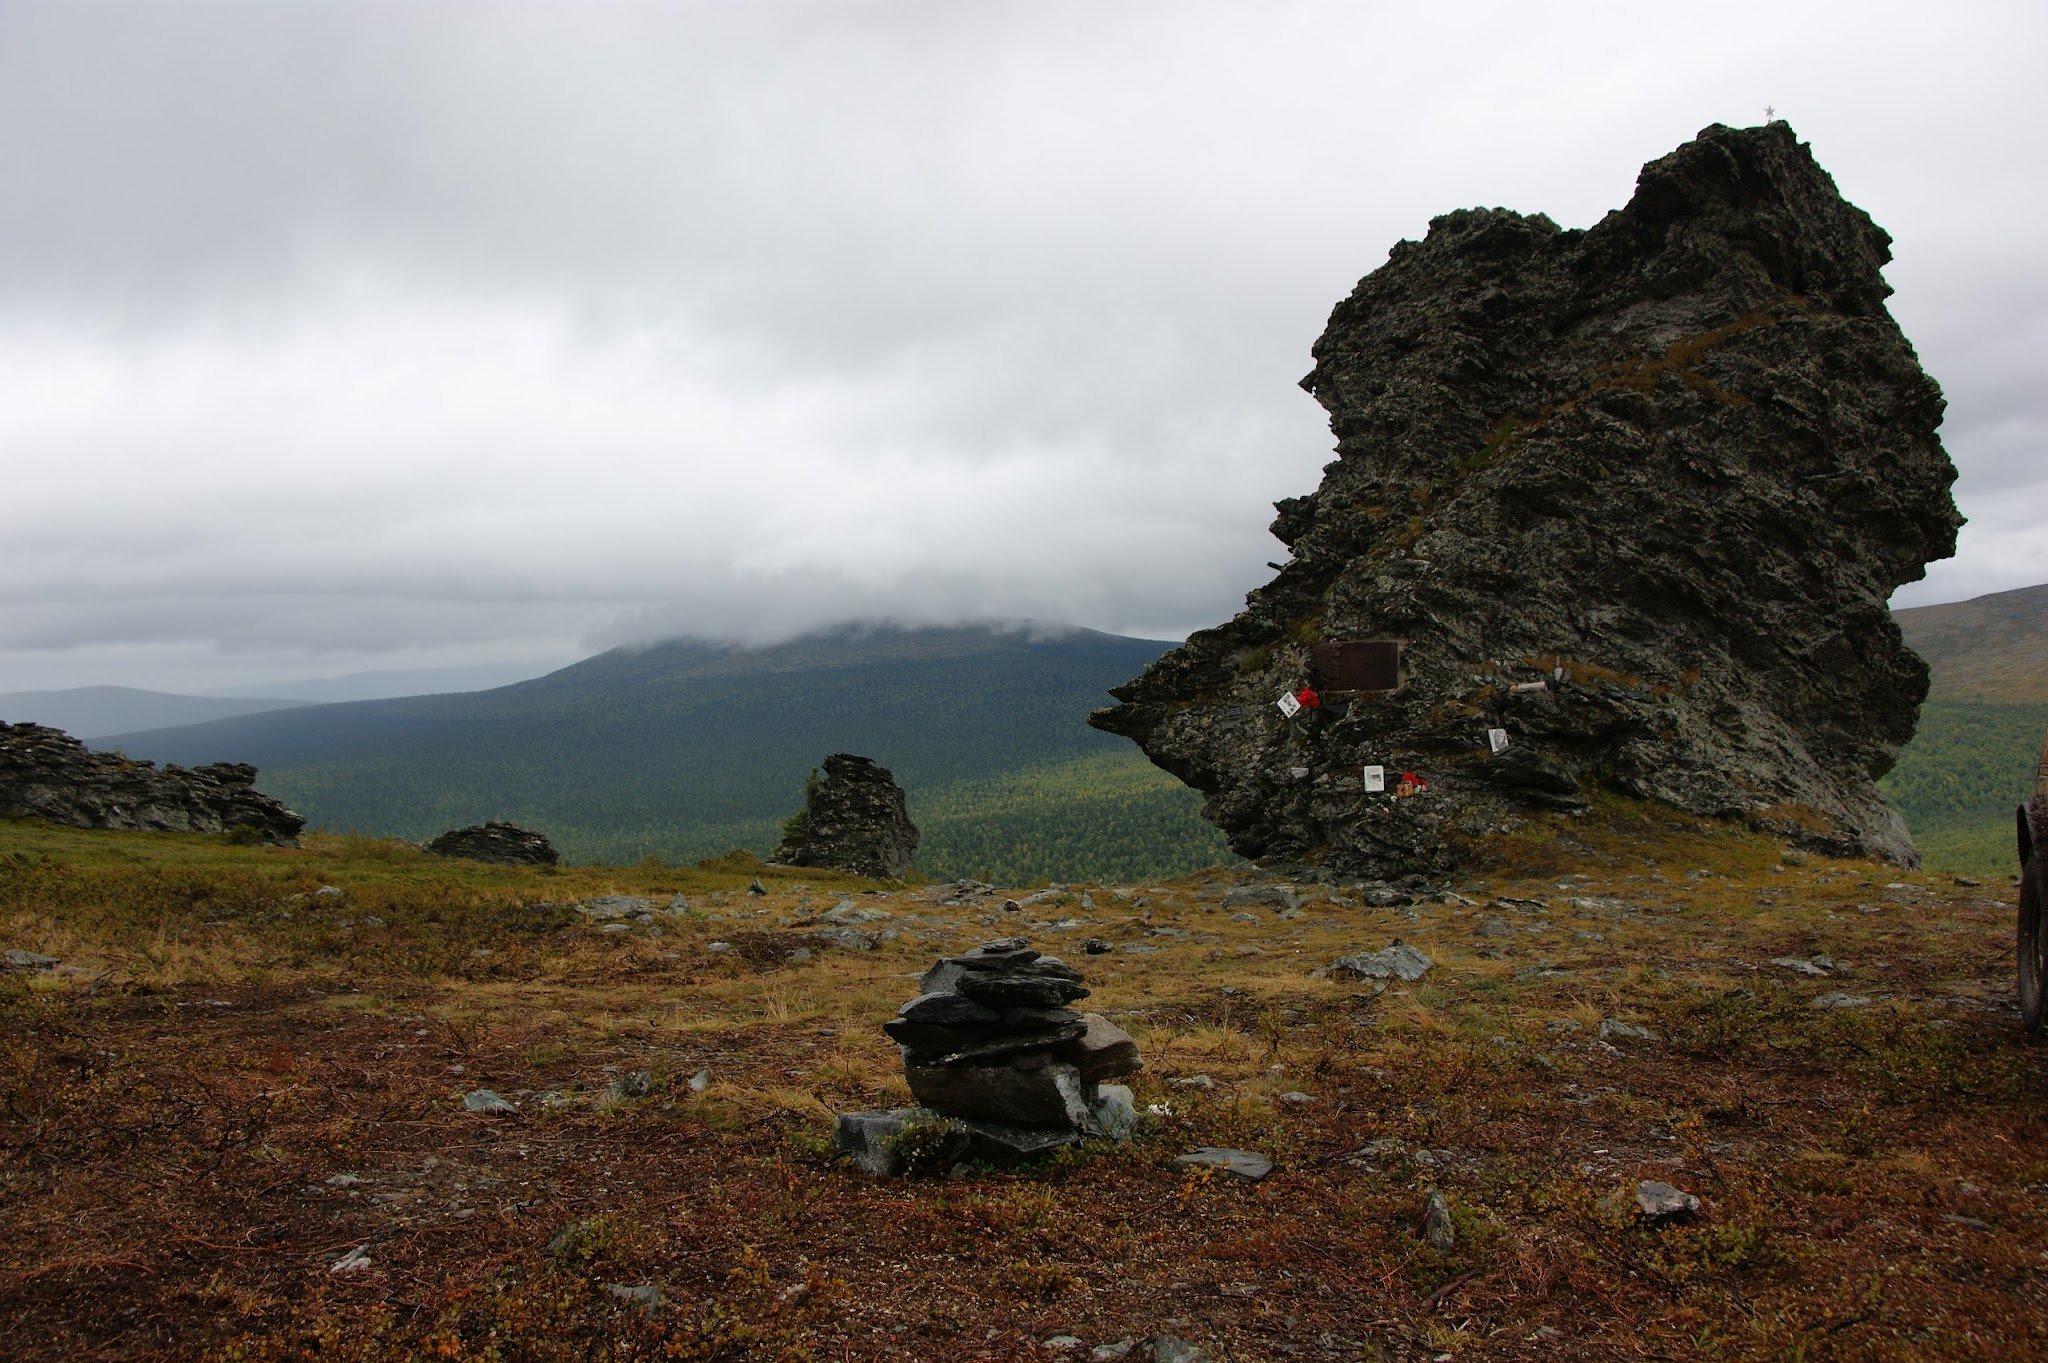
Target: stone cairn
column 1001, row 1067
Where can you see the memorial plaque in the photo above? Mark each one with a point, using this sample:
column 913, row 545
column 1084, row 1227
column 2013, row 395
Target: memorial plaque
column 1375, row 779
column 1361, row 665
column 1497, row 739
column 1289, row 706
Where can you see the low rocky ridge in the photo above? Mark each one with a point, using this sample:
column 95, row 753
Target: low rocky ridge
column 855, row 820
column 1616, row 508
column 47, row 774
column 1000, row 1066
column 505, row 844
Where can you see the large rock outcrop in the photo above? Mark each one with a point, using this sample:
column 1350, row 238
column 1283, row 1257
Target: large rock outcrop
column 1618, row 507
column 47, row 774
column 854, row 820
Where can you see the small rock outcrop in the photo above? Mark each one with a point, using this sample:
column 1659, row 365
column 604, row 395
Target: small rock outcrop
column 47, row 774
column 998, row 1062
column 853, row 820
column 506, row 844
column 1612, row 509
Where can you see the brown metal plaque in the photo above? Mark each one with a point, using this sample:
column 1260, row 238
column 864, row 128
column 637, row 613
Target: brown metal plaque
column 1363, row 665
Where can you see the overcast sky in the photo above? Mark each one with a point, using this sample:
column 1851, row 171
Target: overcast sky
column 337, row 336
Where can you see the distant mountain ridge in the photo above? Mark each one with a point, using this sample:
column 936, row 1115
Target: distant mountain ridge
column 1972, row 756
column 96, row 711
column 1990, row 648
column 685, row 749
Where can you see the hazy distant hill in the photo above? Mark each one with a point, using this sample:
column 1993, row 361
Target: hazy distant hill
column 93, row 711
column 1972, row 758
column 388, row 684
column 685, row 749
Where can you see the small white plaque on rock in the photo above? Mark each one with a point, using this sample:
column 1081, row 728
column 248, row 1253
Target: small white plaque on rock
column 1289, row 706
column 1497, row 739
column 1375, row 779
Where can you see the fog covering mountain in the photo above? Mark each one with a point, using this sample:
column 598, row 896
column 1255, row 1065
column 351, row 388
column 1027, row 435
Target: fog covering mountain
column 688, row 749
column 94, row 711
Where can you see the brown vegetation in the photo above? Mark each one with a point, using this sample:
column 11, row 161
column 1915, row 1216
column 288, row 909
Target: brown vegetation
column 232, row 1082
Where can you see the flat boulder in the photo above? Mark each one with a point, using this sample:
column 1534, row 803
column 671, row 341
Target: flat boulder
column 498, row 842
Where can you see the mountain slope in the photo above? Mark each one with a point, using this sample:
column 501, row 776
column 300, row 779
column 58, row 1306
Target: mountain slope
column 1972, row 756
column 685, row 749
column 94, row 711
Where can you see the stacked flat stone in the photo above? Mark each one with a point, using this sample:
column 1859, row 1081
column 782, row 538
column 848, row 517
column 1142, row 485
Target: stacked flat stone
column 991, row 1044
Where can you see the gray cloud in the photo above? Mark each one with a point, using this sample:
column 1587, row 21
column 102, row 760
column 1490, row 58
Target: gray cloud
column 371, row 335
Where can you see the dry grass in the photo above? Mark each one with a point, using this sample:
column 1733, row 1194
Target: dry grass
column 212, row 1102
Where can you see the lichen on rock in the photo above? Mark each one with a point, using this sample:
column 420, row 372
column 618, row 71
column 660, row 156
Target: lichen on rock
column 1628, row 504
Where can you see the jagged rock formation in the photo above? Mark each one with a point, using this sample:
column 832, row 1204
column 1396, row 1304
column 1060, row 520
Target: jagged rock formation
column 1616, row 507
column 854, row 820
column 47, row 774
column 505, row 844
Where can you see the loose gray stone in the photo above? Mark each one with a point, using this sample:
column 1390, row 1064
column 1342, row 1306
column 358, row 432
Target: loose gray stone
column 1193, row 1081
column 1612, row 1029
column 1438, row 1230
column 1662, row 1204
column 864, row 1137
column 487, row 1102
column 17, row 959
column 1257, row 896
column 1840, row 1001
column 1803, row 966
column 1168, row 1349
column 1245, row 1164
column 1398, row 961
column 355, row 1261
column 606, row 908
column 646, row 1295
column 1103, row 1051
column 632, row 1084
column 1114, row 1112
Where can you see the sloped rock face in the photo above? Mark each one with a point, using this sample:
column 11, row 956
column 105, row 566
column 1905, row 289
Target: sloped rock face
column 1634, row 497
column 47, row 774
column 854, row 820
column 505, row 844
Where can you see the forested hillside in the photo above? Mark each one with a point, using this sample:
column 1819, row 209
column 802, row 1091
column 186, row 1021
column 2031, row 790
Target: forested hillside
column 685, row 749
column 1972, row 758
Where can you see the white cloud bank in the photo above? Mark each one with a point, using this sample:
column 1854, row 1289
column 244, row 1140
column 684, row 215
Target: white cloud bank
column 343, row 336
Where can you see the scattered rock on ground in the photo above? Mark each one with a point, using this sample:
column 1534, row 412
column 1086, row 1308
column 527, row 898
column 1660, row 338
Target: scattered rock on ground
column 1438, row 1231
column 488, row 1103
column 1398, row 961
column 1245, row 1164
column 1660, row 1204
